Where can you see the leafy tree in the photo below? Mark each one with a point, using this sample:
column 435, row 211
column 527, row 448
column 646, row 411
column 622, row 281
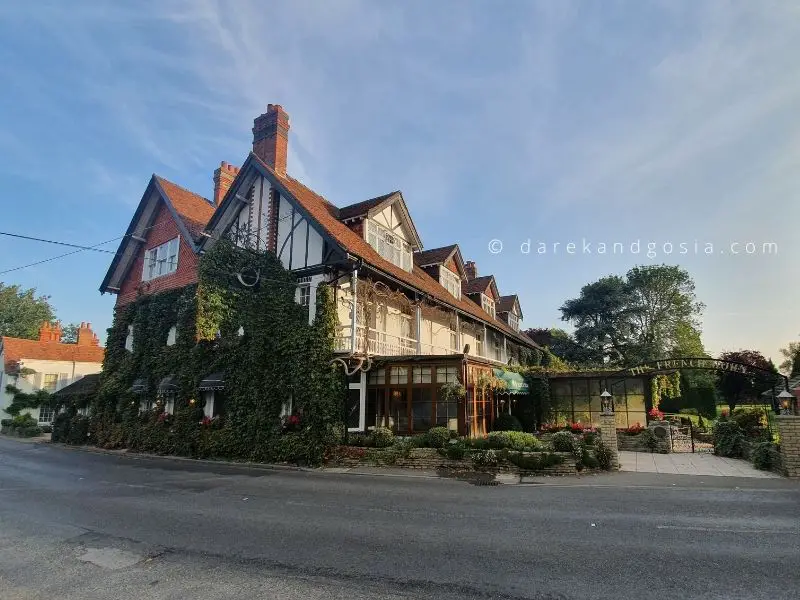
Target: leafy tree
column 22, row 312
column 564, row 345
column 791, row 360
column 69, row 334
column 651, row 313
column 736, row 388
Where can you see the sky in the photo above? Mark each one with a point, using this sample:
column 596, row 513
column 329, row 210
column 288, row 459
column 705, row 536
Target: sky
column 661, row 121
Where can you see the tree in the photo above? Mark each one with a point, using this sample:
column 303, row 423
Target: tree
column 735, row 388
column 69, row 334
column 22, row 312
column 791, row 364
column 564, row 345
column 649, row 314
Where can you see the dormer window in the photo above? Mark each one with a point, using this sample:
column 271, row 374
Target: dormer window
column 450, row 281
column 389, row 245
column 513, row 321
column 487, row 304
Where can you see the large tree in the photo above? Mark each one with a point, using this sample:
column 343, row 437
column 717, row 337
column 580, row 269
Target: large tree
column 651, row 313
column 736, row 388
column 564, row 345
column 69, row 334
column 790, row 365
column 22, row 311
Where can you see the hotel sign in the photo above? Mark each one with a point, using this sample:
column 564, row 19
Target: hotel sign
column 694, row 363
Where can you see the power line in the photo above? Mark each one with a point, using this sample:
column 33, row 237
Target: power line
column 35, row 239
column 46, row 260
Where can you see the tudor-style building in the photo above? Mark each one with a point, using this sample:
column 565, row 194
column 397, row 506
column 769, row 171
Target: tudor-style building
column 410, row 319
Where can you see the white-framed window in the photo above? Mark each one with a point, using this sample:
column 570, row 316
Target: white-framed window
column 172, row 336
column 479, row 344
column 454, row 339
column 389, row 245
column 513, row 321
column 304, row 291
column 208, row 405
column 161, row 260
column 129, row 339
column 447, row 374
column 498, row 347
column 450, row 281
column 46, row 415
column 377, row 376
column 421, row 374
column 50, row 382
column 487, row 304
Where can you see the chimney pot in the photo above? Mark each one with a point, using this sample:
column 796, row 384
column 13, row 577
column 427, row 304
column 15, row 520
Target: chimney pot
column 471, row 270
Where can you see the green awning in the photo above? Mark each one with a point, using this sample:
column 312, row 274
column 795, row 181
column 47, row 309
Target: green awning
column 515, row 383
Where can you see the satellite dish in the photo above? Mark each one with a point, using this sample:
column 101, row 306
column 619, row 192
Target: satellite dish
column 466, row 349
column 248, row 277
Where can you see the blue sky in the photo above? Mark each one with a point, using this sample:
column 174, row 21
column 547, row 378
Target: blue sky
column 661, row 121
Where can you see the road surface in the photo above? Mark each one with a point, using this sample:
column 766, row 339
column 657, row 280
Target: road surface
column 77, row 525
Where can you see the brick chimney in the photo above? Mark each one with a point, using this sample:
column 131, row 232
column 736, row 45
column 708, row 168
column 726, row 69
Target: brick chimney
column 271, row 137
column 87, row 337
column 45, row 332
column 471, row 270
column 223, row 179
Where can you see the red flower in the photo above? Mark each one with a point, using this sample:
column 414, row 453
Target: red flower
column 656, row 414
column 205, row 422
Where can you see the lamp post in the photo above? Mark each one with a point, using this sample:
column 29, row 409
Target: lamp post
column 606, row 403
column 786, row 400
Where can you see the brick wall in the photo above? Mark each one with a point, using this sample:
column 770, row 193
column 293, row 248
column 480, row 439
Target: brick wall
column 164, row 229
column 789, row 428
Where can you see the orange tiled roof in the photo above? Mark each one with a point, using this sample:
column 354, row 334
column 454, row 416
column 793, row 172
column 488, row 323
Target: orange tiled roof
column 319, row 209
column 194, row 210
column 16, row 349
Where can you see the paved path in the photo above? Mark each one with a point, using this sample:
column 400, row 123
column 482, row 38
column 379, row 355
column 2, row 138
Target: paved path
column 690, row 464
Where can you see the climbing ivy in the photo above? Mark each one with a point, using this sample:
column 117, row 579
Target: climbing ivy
column 279, row 357
column 665, row 386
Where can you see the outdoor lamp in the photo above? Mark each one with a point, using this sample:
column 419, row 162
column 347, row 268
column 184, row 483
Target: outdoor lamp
column 786, row 402
column 606, row 404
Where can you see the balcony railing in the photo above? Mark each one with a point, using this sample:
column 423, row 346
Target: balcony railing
column 380, row 343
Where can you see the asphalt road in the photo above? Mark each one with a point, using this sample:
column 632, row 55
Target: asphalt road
column 76, row 525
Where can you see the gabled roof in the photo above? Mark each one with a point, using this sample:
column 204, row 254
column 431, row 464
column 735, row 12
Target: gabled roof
column 508, row 303
column 479, row 285
column 319, row 210
column 16, row 349
column 85, row 386
column 190, row 211
column 439, row 256
column 360, row 209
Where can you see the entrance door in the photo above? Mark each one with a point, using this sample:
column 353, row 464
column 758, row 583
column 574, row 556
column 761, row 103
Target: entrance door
column 398, row 410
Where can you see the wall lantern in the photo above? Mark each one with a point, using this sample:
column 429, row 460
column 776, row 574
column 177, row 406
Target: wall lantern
column 786, row 402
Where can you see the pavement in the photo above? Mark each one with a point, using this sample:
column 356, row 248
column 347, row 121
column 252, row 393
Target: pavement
column 83, row 526
column 690, row 464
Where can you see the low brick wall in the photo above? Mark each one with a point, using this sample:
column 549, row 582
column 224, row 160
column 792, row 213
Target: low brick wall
column 429, row 459
column 633, row 443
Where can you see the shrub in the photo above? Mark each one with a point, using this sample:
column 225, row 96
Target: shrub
column 729, row 439
column 477, row 443
column 751, row 422
column 454, row 450
column 437, row 437
column 590, row 438
column 61, row 426
column 78, row 431
column 520, row 440
column 649, row 440
column 688, row 411
column 46, row 428
column 359, row 440
column 31, row 431
column 765, row 456
column 23, row 421
column 587, row 461
column 533, row 462
column 499, row 439
column 603, row 455
column 483, row 459
column 563, row 441
column 382, row 437
column 506, row 422
column 6, row 422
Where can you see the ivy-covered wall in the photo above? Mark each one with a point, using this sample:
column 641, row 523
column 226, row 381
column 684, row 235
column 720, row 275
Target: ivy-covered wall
column 279, row 356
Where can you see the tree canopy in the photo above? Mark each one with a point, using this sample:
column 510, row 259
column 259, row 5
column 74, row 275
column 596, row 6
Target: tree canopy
column 736, row 388
column 650, row 313
column 564, row 345
column 22, row 311
column 790, row 365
